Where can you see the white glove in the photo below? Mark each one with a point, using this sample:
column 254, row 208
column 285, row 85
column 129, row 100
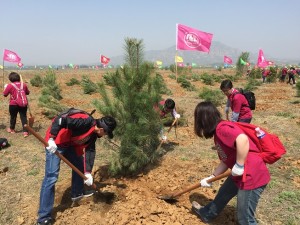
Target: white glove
column 237, row 170
column 164, row 137
column 5, row 86
column 89, row 180
column 177, row 116
column 204, row 183
column 52, row 147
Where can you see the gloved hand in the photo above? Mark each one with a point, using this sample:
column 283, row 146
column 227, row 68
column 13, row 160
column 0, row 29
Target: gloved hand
column 237, row 170
column 89, row 180
column 177, row 116
column 204, row 183
column 51, row 146
column 164, row 138
column 5, row 86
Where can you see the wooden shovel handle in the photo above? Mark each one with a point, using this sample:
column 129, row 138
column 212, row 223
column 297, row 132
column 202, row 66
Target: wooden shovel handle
column 162, row 141
column 39, row 137
column 226, row 174
column 172, row 125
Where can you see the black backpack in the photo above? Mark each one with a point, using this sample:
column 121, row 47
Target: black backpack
column 3, row 143
column 250, row 96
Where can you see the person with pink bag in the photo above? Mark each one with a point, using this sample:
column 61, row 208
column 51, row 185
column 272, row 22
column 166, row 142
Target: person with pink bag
column 13, row 89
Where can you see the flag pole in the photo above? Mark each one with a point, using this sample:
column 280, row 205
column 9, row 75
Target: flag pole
column 176, row 52
column 3, row 74
column 176, row 65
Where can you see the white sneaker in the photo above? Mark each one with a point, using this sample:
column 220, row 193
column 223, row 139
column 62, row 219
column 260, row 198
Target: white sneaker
column 83, row 195
column 196, row 205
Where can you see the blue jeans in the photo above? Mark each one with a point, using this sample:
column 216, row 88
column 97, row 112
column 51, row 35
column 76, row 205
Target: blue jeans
column 52, row 168
column 247, row 201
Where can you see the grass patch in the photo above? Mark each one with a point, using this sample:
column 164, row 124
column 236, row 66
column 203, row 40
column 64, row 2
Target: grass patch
column 285, row 115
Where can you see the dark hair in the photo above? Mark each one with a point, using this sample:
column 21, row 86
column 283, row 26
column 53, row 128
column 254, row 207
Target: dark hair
column 226, row 84
column 108, row 123
column 207, row 117
column 13, row 77
column 169, row 104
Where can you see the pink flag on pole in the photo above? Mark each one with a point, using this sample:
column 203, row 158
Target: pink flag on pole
column 227, row 60
column 191, row 39
column 10, row 56
column 104, row 60
column 261, row 61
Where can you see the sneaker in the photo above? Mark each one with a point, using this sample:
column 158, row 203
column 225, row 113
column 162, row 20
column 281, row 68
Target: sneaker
column 84, row 195
column 45, row 222
column 196, row 207
column 12, row 131
column 25, row 134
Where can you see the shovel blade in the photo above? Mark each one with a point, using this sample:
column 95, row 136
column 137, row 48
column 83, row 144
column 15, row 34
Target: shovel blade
column 31, row 121
column 168, row 198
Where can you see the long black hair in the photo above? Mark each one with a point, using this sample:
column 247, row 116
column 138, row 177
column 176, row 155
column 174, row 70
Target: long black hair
column 207, row 117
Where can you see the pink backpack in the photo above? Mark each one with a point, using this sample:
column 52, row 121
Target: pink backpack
column 21, row 98
column 271, row 148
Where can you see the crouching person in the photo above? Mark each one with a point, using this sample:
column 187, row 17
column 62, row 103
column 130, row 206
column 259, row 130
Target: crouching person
column 73, row 134
column 165, row 107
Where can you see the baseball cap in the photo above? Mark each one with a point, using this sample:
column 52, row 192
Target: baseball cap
column 108, row 123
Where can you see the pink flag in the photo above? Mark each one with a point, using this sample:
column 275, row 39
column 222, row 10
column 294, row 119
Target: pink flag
column 191, row 39
column 10, row 56
column 227, row 60
column 261, row 61
column 104, row 60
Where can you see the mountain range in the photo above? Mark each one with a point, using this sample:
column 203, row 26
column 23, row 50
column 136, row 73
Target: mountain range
column 215, row 57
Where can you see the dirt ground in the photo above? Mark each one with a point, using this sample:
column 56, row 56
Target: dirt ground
column 185, row 160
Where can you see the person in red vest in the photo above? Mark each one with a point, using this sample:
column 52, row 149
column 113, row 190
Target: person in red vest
column 284, row 72
column 292, row 72
column 236, row 151
column 73, row 134
column 238, row 103
column 265, row 73
column 165, row 107
column 14, row 109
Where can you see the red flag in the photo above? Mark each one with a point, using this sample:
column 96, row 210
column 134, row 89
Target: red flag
column 10, row 56
column 261, row 61
column 227, row 60
column 104, row 60
column 191, row 39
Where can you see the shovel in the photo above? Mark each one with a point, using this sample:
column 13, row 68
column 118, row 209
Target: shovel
column 31, row 118
column 58, row 154
column 106, row 195
column 162, row 141
column 172, row 198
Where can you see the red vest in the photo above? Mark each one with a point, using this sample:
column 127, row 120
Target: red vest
column 65, row 138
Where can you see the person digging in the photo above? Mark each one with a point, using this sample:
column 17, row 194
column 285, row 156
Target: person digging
column 73, row 134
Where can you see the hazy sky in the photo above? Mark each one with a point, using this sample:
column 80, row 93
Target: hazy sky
column 74, row 31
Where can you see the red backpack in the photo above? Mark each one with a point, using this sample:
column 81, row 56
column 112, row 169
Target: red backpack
column 21, row 98
column 271, row 148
